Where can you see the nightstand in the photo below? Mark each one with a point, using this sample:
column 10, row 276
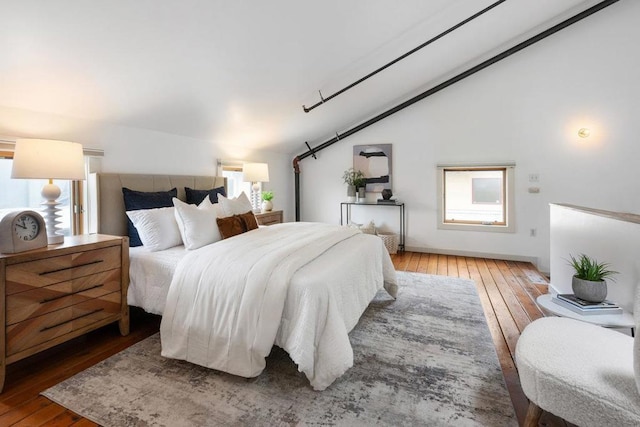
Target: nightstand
column 51, row 295
column 269, row 218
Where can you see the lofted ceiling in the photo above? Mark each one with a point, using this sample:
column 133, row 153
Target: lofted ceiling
column 238, row 72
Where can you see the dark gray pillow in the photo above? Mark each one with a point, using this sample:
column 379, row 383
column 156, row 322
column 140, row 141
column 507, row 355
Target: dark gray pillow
column 194, row 197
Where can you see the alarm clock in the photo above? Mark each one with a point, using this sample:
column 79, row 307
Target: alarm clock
column 22, row 231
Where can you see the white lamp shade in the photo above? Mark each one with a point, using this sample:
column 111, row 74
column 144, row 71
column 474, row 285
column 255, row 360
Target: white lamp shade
column 47, row 159
column 255, row 172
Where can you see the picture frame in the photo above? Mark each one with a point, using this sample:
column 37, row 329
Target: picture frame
column 375, row 162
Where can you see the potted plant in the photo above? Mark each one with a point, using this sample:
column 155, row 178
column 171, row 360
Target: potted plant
column 267, row 205
column 588, row 282
column 351, row 177
column 361, row 185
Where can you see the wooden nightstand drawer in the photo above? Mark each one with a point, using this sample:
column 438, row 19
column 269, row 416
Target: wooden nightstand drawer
column 269, row 218
column 24, row 276
column 37, row 330
column 42, row 300
column 53, row 294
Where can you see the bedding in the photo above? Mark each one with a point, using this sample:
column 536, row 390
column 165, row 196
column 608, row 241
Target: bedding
column 230, row 226
column 235, row 206
column 150, row 275
column 195, row 197
column 157, row 228
column 230, row 302
column 136, row 200
column 196, row 224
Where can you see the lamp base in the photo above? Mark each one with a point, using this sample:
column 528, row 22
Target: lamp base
column 55, row 239
column 51, row 214
column 255, row 197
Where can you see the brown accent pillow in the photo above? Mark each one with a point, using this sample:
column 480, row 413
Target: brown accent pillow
column 249, row 220
column 230, row 226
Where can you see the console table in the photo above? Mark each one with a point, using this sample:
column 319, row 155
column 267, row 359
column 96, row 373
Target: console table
column 345, row 207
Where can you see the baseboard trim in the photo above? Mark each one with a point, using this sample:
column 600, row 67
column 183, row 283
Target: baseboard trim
column 532, row 260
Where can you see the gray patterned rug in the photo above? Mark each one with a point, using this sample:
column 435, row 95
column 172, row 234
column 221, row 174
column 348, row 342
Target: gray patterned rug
column 426, row 359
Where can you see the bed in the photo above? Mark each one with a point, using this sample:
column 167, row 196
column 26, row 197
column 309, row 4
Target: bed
column 300, row 286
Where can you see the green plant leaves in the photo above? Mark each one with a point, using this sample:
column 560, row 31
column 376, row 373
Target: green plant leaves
column 587, row 268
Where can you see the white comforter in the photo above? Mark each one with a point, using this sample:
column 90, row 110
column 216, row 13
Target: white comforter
column 229, row 302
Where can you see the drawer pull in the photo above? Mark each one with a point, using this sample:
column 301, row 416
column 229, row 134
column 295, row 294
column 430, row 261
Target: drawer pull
column 73, row 266
column 46, row 328
column 46, row 300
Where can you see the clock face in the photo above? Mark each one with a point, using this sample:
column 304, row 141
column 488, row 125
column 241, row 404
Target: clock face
column 26, row 227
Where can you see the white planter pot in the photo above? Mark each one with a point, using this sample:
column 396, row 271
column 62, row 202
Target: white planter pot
column 267, row 206
column 588, row 290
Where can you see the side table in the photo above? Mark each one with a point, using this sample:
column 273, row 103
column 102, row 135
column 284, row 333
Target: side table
column 624, row 320
column 268, row 218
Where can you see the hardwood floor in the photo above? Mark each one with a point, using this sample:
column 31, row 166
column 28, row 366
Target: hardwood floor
column 507, row 292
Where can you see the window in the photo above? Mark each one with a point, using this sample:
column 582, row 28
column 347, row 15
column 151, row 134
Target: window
column 232, row 170
column 476, row 197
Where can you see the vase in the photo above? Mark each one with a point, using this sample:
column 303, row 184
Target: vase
column 361, row 193
column 589, row 290
column 386, row 194
column 351, row 193
column 267, row 206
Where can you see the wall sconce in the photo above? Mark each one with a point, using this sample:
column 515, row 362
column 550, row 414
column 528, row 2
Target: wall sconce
column 584, row 132
column 48, row 159
column 255, row 173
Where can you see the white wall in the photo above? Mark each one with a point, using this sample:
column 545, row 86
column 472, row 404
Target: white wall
column 528, row 109
column 614, row 240
column 131, row 150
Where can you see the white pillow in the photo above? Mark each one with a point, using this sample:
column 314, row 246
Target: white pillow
column 366, row 229
column 157, row 228
column 236, row 206
column 197, row 224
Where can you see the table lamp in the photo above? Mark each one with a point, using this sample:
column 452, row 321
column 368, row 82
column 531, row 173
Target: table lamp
column 48, row 159
column 255, row 173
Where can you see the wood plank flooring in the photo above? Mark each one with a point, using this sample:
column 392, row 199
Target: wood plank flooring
column 507, row 292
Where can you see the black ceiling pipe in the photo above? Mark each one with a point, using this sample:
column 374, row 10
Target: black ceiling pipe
column 401, row 57
column 499, row 57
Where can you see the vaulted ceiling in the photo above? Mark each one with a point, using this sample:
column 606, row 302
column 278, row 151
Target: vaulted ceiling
column 238, row 72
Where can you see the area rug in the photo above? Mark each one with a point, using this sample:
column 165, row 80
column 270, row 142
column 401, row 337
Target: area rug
column 425, row 359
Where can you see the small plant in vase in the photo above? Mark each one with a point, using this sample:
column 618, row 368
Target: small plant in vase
column 267, row 205
column 361, row 185
column 588, row 282
column 352, row 178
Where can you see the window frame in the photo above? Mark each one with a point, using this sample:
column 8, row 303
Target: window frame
column 508, row 195
column 236, row 166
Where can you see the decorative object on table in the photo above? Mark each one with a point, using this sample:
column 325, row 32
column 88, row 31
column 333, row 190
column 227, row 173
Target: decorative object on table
column 360, row 185
column 586, row 308
column 588, row 282
column 49, row 159
column 351, row 177
column 375, row 163
column 267, row 205
column 386, row 197
column 22, row 231
column 255, row 173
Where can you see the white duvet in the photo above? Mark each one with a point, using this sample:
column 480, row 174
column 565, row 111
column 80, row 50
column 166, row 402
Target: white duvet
column 231, row 301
